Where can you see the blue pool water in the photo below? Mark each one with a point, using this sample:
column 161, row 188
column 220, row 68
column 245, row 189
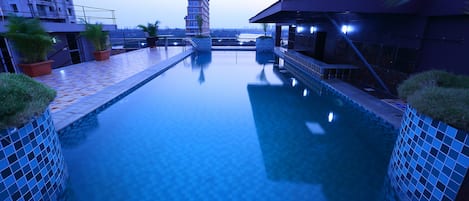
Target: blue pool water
column 222, row 126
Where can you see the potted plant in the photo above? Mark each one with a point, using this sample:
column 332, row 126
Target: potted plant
column 201, row 42
column 98, row 37
column 152, row 33
column 32, row 42
column 434, row 131
column 22, row 98
column 265, row 43
column 439, row 95
column 26, row 124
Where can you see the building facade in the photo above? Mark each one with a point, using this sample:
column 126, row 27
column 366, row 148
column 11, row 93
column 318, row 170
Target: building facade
column 430, row 160
column 51, row 10
column 197, row 8
column 395, row 38
column 60, row 20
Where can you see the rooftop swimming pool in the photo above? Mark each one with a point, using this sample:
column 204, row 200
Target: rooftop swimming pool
column 228, row 125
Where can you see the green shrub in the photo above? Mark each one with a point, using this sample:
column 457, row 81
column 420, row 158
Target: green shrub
column 440, row 95
column 21, row 98
column 449, row 105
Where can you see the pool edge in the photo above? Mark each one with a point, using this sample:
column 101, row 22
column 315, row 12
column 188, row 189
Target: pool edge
column 102, row 99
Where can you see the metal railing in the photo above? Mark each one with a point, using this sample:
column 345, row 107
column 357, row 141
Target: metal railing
column 75, row 14
column 94, row 15
column 140, row 42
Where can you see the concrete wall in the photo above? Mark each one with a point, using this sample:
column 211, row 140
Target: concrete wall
column 60, row 53
column 405, row 43
column 372, row 34
column 445, row 45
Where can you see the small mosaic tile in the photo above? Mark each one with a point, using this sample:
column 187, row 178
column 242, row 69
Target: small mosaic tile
column 436, row 153
column 32, row 166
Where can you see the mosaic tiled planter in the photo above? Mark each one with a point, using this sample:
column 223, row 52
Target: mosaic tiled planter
column 430, row 160
column 32, row 166
column 264, row 44
column 202, row 44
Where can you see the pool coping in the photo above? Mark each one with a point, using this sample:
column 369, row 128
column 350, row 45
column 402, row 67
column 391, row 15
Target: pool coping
column 381, row 109
column 384, row 111
column 86, row 105
column 66, row 117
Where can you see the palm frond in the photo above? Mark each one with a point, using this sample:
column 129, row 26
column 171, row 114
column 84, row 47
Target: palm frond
column 29, row 38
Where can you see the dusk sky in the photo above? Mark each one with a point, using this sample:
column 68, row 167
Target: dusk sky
column 171, row 13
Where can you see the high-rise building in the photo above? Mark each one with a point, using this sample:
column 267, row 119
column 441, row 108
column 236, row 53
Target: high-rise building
column 194, row 9
column 62, row 20
column 52, row 10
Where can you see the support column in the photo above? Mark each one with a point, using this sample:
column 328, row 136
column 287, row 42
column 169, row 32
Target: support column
column 291, row 36
column 278, row 35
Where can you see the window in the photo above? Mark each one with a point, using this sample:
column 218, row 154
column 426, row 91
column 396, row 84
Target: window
column 69, row 11
column 14, row 7
column 41, row 9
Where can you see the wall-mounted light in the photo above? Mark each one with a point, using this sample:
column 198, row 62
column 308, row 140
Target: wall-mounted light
column 300, row 29
column 346, row 29
column 313, row 29
column 54, row 40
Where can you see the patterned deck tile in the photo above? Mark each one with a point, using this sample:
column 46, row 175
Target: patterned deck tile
column 76, row 82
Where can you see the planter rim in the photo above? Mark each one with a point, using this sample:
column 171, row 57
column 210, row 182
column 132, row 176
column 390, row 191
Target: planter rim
column 430, row 119
column 107, row 50
column 37, row 63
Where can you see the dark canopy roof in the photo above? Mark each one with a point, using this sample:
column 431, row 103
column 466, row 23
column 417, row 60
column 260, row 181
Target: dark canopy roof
column 292, row 11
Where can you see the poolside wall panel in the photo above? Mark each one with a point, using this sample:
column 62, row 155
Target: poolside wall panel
column 430, row 159
column 264, row 44
column 202, row 44
column 445, row 45
column 32, row 166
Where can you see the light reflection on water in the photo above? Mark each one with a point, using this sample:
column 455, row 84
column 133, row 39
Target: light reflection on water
column 229, row 126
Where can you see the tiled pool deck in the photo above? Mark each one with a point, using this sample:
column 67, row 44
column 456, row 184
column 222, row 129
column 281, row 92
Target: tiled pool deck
column 84, row 87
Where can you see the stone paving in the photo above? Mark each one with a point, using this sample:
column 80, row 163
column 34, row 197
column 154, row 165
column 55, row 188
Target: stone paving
column 78, row 85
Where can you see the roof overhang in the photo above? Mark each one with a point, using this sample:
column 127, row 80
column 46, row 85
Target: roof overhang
column 294, row 11
column 268, row 13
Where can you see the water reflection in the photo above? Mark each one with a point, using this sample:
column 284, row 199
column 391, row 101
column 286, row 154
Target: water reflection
column 264, row 58
column 76, row 134
column 302, row 142
column 200, row 61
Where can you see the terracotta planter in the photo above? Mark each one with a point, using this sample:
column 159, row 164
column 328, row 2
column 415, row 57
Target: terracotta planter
column 37, row 69
column 102, row 55
column 151, row 41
